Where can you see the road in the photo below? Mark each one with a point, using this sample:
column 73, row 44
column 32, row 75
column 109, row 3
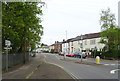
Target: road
column 53, row 66
column 83, row 71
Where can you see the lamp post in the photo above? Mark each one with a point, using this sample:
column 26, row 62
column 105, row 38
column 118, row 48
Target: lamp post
column 81, row 37
column 65, row 46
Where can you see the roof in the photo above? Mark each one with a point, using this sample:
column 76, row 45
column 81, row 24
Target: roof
column 92, row 35
column 86, row 36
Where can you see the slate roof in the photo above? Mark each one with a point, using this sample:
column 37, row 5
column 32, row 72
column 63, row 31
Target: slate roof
column 86, row 36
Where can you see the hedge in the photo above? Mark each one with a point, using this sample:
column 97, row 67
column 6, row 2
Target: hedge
column 107, row 54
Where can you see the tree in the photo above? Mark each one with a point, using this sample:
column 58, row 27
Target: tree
column 21, row 24
column 43, row 45
column 110, row 33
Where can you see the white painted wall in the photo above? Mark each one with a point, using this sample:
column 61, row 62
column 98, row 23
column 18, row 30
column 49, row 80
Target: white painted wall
column 92, row 46
column 64, row 47
column 86, row 45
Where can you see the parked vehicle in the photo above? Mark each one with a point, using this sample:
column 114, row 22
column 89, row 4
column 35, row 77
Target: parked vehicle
column 33, row 53
column 79, row 54
column 70, row 55
column 61, row 53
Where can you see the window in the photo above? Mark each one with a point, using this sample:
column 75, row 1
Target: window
column 72, row 43
column 85, row 42
column 92, row 42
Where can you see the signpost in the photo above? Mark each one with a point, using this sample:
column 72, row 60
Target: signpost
column 7, row 44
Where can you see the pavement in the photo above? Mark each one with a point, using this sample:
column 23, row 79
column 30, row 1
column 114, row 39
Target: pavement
column 92, row 61
column 37, row 68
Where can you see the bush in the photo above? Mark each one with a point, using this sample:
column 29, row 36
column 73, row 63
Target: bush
column 96, row 53
column 52, row 51
column 111, row 54
column 45, row 51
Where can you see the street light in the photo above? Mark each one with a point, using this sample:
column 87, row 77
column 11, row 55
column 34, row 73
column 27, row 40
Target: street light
column 81, row 37
column 65, row 46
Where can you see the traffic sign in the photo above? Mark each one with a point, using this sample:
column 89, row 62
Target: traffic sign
column 7, row 43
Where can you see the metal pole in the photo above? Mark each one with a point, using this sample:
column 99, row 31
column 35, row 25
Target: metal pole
column 81, row 47
column 65, row 45
column 7, row 58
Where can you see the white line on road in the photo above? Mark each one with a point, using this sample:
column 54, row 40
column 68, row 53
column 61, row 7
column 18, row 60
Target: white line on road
column 113, row 71
column 111, row 64
column 72, row 75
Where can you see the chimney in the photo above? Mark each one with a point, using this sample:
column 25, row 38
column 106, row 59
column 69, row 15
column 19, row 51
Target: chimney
column 63, row 40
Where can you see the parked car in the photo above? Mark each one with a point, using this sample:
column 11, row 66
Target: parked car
column 33, row 53
column 61, row 53
column 70, row 55
column 79, row 54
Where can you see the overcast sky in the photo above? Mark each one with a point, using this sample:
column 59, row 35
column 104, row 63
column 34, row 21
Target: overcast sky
column 74, row 16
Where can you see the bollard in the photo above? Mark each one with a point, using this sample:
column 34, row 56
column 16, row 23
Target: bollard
column 97, row 59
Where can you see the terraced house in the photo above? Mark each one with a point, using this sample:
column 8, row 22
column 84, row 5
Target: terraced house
column 86, row 43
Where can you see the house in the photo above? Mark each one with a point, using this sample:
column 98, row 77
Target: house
column 65, row 46
column 57, row 47
column 51, row 48
column 86, row 43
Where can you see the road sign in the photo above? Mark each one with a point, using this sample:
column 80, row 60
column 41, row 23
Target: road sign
column 7, row 43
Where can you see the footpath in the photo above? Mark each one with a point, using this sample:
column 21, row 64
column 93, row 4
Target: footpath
column 37, row 68
column 91, row 61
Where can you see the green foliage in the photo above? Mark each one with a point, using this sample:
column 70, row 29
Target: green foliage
column 42, row 45
column 45, row 51
column 111, row 54
column 110, row 33
column 52, row 51
column 96, row 53
column 21, row 25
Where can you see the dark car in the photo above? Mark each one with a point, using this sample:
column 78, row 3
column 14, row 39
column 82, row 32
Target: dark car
column 79, row 54
column 33, row 53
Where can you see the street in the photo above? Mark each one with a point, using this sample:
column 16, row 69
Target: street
column 53, row 66
column 83, row 71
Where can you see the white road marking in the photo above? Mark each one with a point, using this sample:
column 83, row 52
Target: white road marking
column 111, row 64
column 113, row 71
column 72, row 75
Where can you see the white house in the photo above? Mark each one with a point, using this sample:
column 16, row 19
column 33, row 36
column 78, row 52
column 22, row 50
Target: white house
column 65, row 46
column 86, row 42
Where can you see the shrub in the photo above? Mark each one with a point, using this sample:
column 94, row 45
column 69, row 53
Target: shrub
column 111, row 54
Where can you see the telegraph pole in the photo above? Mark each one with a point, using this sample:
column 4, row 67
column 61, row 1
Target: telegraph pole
column 65, row 46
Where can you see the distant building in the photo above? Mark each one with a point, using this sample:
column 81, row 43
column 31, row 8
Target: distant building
column 64, row 46
column 86, row 43
column 58, row 46
column 44, row 48
column 51, row 48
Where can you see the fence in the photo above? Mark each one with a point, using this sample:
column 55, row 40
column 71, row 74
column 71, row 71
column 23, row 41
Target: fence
column 14, row 59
